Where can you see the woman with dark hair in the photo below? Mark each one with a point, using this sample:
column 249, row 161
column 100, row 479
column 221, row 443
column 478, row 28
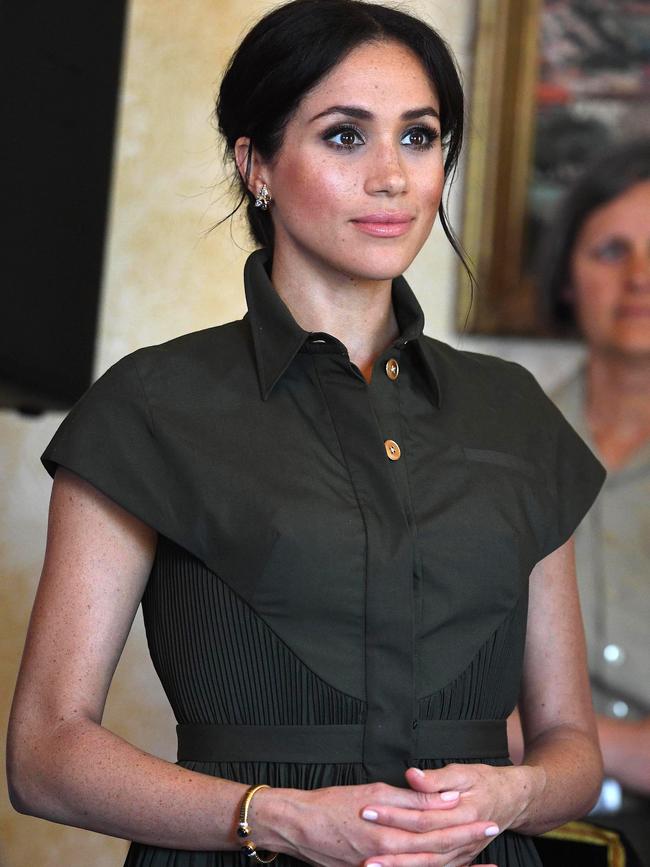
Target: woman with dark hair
column 351, row 541
column 597, row 276
column 611, row 175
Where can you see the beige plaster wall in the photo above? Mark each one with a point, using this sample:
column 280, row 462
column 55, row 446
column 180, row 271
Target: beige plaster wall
column 163, row 277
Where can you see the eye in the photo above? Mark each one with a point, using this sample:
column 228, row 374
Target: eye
column 612, row 250
column 420, row 137
column 344, row 137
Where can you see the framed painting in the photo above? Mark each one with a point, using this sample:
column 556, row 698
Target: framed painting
column 554, row 83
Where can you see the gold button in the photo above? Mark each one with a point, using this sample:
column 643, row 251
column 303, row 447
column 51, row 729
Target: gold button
column 392, row 369
column 392, row 450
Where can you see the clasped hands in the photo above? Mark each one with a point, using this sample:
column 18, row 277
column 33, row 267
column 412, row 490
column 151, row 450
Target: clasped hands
column 444, row 819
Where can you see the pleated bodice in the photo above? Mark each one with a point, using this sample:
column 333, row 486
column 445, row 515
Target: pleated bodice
column 213, row 653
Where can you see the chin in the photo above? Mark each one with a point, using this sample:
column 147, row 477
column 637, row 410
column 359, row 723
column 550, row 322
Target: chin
column 636, row 350
column 375, row 274
column 626, row 348
column 375, row 264
column 634, row 340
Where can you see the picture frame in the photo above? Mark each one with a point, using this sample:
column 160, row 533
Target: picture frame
column 554, row 83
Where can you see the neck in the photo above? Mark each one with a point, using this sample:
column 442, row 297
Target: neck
column 357, row 312
column 618, row 404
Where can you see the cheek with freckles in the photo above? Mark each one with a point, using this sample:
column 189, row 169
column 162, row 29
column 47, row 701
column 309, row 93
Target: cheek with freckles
column 315, row 190
column 313, row 207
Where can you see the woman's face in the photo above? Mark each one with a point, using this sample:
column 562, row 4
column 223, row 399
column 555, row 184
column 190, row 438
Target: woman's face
column 610, row 271
column 357, row 182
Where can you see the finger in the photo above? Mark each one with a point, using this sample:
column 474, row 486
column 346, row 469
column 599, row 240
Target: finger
column 422, row 820
column 466, row 860
column 414, row 859
column 449, row 843
column 410, row 799
column 463, row 862
column 424, row 859
column 450, row 778
column 450, row 839
column 441, row 801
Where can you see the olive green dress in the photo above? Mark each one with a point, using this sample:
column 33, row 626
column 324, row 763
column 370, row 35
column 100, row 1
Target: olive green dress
column 340, row 586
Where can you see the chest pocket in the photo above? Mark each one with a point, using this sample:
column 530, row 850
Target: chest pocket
column 501, row 459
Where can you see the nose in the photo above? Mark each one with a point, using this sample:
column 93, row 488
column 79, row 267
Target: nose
column 638, row 274
column 386, row 173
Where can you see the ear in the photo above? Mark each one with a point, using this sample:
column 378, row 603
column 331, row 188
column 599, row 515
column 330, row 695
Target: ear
column 249, row 165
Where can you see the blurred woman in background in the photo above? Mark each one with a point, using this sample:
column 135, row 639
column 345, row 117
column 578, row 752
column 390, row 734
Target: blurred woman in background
column 597, row 270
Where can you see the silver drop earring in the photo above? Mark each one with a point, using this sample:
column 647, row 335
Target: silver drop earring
column 263, row 198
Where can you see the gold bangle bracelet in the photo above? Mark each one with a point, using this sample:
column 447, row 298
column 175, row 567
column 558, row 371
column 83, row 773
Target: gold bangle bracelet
column 244, row 829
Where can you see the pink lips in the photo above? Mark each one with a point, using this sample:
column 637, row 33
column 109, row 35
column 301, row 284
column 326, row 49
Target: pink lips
column 386, row 224
column 632, row 311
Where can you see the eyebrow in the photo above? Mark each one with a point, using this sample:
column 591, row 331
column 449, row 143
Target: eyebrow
column 364, row 114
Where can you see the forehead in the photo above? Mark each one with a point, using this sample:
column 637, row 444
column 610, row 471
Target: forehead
column 629, row 212
column 383, row 77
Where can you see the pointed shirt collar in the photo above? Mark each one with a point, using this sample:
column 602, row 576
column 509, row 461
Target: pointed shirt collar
column 277, row 337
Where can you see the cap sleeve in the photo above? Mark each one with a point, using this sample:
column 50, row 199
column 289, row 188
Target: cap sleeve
column 108, row 439
column 575, row 477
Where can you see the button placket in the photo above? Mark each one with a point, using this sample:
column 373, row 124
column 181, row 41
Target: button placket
column 391, row 368
column 361, row 414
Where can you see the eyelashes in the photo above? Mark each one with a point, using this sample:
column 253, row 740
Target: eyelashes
column 347, row 132
column 420, row 137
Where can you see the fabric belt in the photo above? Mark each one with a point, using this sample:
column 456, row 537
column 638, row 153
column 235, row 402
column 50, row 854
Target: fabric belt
column 335, row 744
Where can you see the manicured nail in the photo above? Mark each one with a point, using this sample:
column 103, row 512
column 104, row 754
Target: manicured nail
column 449, row 796
column 372, row 815
column 492, row 831
column 420, row 774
